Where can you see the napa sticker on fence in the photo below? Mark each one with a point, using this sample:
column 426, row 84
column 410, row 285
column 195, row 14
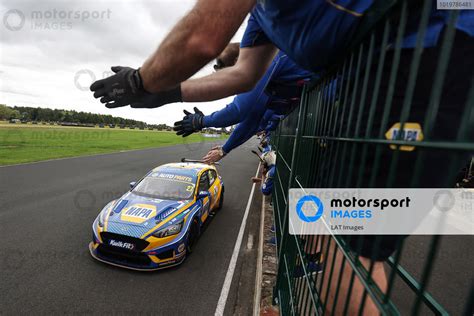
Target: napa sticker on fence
column 381, row 211
column 412, row 132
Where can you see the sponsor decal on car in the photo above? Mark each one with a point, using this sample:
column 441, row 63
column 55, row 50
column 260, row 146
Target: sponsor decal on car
column 138, row 213
column 165, row 214
column 172, row 176
column 121, row 244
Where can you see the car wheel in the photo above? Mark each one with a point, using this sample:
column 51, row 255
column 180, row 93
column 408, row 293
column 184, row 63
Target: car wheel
column 221, row 200
column 193, row 236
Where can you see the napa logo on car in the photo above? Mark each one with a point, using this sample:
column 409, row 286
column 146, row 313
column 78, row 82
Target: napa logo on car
column 138, row 213
column 411, row 132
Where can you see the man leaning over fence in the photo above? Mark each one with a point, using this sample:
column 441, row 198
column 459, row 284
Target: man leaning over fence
column 268, row 172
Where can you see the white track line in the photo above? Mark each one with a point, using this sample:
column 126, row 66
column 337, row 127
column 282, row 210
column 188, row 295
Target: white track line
column 233, row 260
column 258, row 276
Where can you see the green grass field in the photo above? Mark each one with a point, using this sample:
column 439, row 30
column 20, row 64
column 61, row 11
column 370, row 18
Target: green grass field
column 20, row 143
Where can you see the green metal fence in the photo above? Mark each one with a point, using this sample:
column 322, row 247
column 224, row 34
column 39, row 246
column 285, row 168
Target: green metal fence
column 343, row 135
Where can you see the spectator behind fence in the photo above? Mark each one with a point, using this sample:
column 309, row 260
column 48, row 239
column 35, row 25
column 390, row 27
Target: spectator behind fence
column 268, row 163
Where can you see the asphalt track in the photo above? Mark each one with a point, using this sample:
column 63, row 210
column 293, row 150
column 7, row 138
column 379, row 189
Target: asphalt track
column 46, row 214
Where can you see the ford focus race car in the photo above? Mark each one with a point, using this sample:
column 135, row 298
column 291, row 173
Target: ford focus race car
column 157, row 222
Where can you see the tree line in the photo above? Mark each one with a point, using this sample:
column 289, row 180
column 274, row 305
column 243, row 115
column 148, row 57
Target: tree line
column 68, row 116
column 30, row 114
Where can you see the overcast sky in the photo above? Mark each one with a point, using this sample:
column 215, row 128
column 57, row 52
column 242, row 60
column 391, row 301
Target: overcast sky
column 50, row 50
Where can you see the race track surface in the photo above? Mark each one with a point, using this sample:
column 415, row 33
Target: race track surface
column 46, row 214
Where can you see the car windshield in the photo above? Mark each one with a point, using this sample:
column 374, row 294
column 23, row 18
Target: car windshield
column 166, row 186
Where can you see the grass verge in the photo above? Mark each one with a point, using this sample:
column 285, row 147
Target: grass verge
column 29, row 143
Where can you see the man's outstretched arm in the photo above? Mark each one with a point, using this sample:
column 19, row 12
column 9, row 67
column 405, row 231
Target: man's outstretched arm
column 197, row 39
column 242, row 77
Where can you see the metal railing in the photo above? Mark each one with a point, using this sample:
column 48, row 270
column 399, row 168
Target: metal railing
column 338, row 138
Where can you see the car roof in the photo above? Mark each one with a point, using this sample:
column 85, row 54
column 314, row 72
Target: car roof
column 185, row 168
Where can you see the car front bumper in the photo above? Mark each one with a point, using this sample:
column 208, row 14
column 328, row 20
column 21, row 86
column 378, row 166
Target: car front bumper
column 141, row 261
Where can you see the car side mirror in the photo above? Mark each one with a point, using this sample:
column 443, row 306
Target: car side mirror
column 202, row 194
column 132, row 184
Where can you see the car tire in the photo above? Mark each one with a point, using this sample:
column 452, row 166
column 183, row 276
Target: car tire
column 221, row 200
column 193, row 236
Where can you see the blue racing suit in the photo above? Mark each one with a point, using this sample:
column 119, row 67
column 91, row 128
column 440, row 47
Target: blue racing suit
column 251, row 109
column 267, row 149
column 267, row 185
column 270, row 122
column 314, row 33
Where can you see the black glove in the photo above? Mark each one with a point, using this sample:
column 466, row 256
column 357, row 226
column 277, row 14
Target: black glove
column 154, row 100
column 191, row 123
column 123, row 88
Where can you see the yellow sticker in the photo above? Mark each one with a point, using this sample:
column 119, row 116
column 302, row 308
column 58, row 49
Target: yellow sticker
column 190, row 188
column 138, row 213
column 412, row 132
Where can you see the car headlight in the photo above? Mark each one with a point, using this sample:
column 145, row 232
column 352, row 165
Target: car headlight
column 169, row 230
column 100, row 220
column 103, row 214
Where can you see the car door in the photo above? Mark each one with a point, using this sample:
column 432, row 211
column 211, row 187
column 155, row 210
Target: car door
column 206, row 202
column 213, row 188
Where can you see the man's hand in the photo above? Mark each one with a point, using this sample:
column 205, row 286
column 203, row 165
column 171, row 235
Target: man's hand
column 149, row 101
column 214, row 155
column 121, row 89
column 191, row 123
column 256, row 180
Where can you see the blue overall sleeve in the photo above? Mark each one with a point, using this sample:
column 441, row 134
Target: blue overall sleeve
column 267, row 185
column 265, row 120
column 230, row 115
column 245, row 104
column 273, row 123
column 253, row 120
column 247, row 128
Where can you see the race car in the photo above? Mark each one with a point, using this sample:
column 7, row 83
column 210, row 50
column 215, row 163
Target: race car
column 157, row 223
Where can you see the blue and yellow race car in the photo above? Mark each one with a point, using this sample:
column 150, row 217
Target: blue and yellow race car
column 156, row 224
